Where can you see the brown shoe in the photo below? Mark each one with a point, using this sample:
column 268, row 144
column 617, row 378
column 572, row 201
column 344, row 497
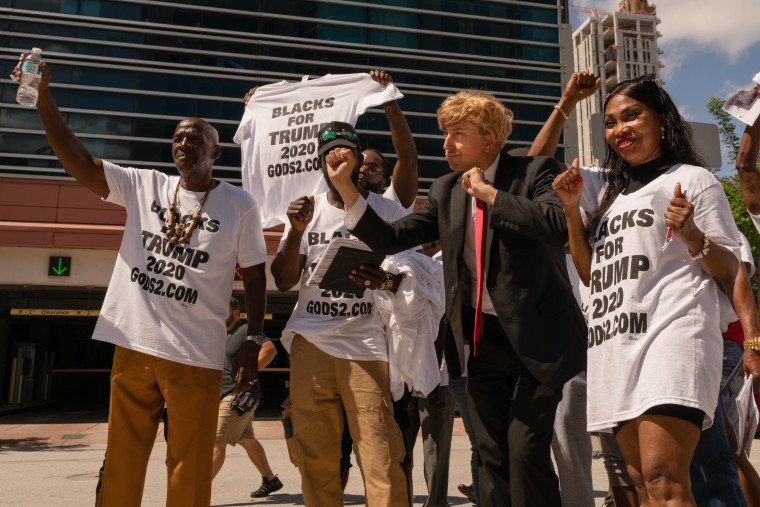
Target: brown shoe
column 467, row 491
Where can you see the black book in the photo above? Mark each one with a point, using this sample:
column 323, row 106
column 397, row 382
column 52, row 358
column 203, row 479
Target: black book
column 348, row 258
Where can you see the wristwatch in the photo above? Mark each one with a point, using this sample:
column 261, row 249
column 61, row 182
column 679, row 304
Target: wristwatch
column 258, row 339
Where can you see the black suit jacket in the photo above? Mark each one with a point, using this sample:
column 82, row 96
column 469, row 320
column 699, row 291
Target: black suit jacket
column 527, row 275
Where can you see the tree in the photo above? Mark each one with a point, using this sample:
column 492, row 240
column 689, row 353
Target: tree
column 725, row 126
column 731, row 184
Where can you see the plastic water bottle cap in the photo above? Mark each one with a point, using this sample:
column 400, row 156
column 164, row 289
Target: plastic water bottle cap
column 36, row 50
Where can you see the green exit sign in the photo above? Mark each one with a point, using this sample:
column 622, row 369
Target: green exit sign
column 59, row 266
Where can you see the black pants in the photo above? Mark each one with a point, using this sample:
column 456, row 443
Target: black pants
column 512, row 418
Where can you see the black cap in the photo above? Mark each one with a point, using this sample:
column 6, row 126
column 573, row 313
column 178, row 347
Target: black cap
column 335, row 134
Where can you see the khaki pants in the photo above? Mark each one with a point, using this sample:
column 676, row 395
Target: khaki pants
column 140, row 384
column 321, row 386
column 231, row 428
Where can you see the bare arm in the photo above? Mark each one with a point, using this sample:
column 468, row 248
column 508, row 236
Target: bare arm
column 255, row 287
column 746, row 164
column 288, row 264
column 405, row 177
column 581, row 85
column 266, row 354
column 743, row 301
column 717, row 261
column 245, row 365
column 569, row 187
column 72, row 154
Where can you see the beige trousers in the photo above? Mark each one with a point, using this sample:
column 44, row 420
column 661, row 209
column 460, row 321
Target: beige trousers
column 321, row 386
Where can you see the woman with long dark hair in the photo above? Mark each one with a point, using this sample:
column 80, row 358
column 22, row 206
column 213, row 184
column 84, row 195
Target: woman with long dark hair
column 658, row 240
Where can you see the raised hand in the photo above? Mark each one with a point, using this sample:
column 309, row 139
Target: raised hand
column 581, row 85
column 381, row 77
column 680, row 217
column 249, row 95
column 340, row 165
column 300, row 212
column 46, row 74
column 475, row 184
column 569, row 185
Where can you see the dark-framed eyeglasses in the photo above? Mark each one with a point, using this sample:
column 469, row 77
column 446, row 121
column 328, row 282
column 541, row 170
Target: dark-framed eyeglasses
column 372, row 168
column 329, row 135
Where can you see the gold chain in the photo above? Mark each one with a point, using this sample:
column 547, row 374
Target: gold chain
column 180, row 232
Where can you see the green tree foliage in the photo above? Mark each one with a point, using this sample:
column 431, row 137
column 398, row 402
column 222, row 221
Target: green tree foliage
column 741, row 216
column 731, row 183
column 725, row 126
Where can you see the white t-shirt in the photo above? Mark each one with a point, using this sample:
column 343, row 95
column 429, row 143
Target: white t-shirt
column 727, row 313
column 278, row 135
column 653, row 315
column 593, row 187
column 171, row 302
column 340, row 325
column 391, row 195
column 755, row 220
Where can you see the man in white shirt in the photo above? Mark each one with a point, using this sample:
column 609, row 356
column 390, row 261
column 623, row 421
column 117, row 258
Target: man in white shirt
column 338, row 353
column 166, row 304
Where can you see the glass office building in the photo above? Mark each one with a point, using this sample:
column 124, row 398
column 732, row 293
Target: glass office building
column 126, row 71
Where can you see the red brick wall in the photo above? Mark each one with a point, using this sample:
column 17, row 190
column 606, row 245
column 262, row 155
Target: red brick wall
column 63, row 214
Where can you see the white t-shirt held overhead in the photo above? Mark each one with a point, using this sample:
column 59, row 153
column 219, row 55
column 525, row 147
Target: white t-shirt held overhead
column 340, row 325
column 171, row 301
column 278, row 134
column 653, row 315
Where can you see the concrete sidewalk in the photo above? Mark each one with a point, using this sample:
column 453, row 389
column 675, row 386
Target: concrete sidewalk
column 56, row 463
column 54, row 460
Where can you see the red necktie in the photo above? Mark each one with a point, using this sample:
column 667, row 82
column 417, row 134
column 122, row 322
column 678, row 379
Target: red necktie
column 481, row 233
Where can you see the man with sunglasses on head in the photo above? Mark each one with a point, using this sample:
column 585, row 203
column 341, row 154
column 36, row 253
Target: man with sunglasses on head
column 338, row 350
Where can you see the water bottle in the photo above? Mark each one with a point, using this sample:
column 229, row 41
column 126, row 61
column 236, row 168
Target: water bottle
column 30, row 79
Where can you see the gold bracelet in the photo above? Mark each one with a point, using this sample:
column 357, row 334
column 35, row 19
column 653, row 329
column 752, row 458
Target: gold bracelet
column 560, row 111
column 752, row 343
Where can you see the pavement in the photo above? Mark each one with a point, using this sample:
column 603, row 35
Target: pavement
column 51, row 458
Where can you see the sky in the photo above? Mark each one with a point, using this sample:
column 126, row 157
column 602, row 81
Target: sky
column 710, row 49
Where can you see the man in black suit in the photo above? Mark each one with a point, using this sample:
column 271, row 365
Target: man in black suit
column 531, row 337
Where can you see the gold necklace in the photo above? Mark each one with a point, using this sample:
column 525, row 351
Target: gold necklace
column 180, row 232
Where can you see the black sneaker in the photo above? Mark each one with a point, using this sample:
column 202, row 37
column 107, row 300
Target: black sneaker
column 267, row 487
column 467, row 491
